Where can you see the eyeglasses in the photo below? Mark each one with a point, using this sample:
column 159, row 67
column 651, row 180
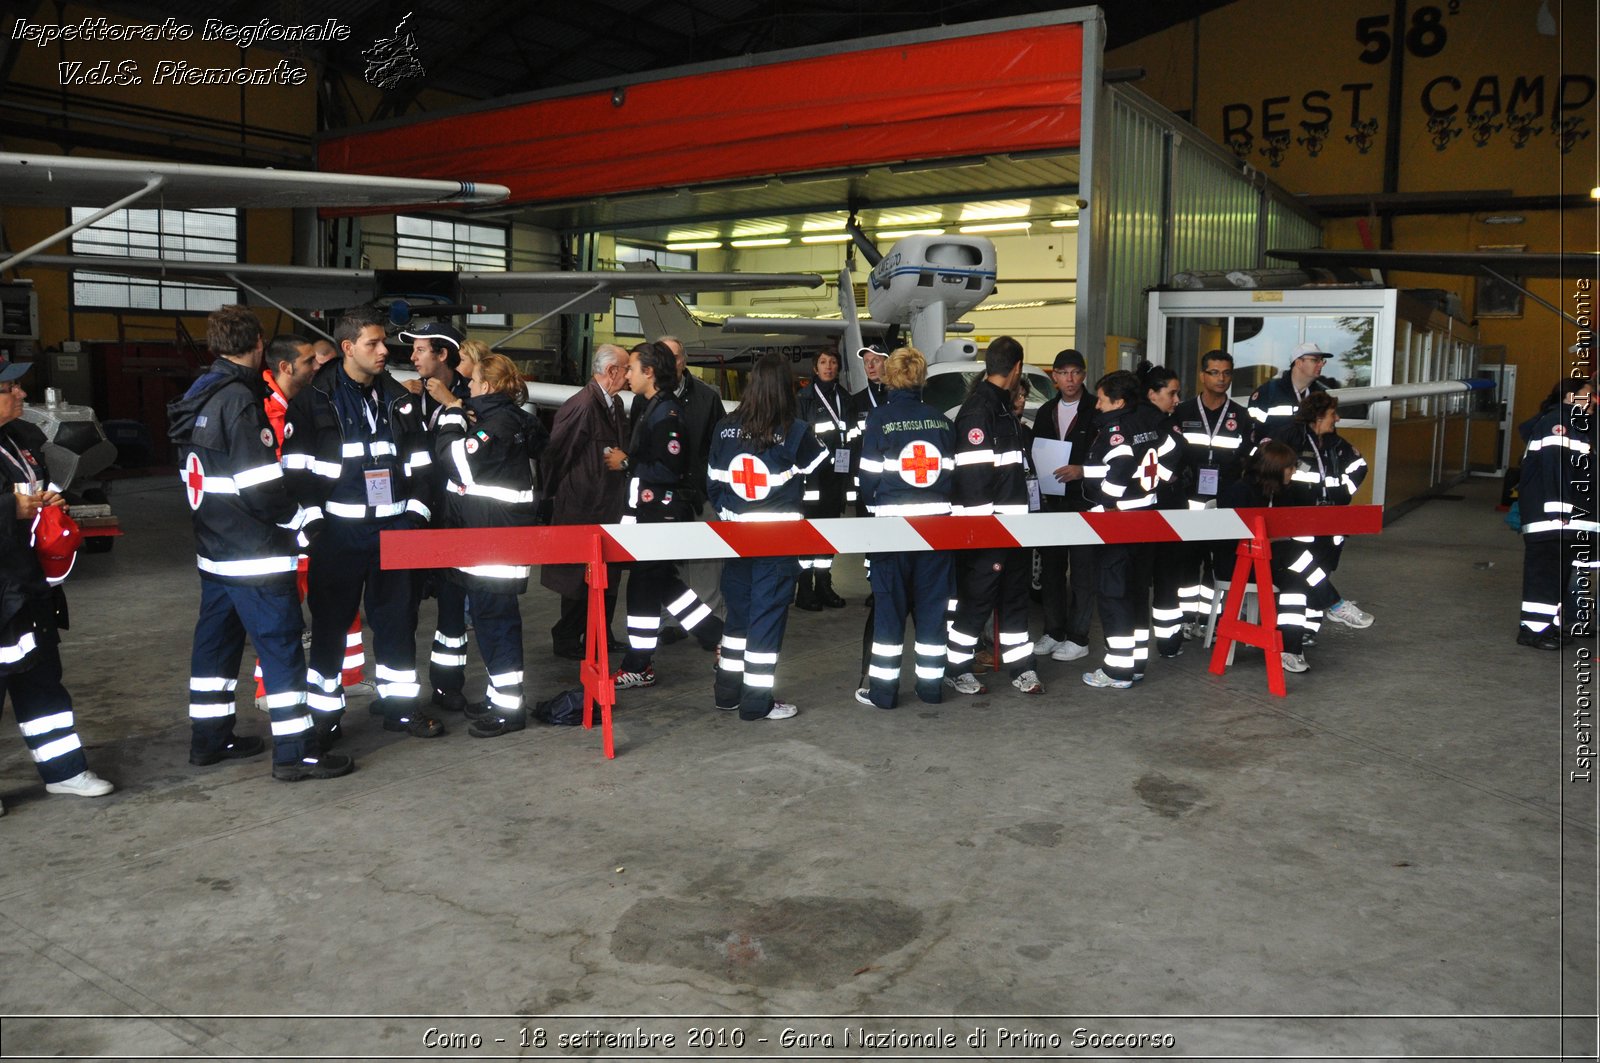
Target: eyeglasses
column 1217, row 372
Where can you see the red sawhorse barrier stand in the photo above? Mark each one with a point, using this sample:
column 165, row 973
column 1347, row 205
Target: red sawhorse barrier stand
column 1254, row 564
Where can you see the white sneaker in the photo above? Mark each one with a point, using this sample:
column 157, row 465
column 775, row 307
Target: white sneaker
column 864, row 696
column 1192, row 631
column 1028, row 682
column 1068, row 651
column 965, row 683
column 363, row 686
column 83, row 784
column 1098, row 678
column 1294, row 662
column 1045, row 645
column 1348, row 614
column 781, row 710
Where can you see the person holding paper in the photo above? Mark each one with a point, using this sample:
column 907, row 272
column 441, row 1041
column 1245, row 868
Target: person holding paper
column 1062, row 432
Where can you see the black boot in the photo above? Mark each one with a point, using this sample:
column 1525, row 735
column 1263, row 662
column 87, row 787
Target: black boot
column 805, row 596
column 824, row 590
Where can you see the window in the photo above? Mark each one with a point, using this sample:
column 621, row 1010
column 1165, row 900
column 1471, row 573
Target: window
column 625, row 320
column 441, row 243
column 180, row 235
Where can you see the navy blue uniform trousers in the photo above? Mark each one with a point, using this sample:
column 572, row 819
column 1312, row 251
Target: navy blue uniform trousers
column 44, row 712
column 344, row 564
column 271, row 617
column 918, row 584
column 758, row 591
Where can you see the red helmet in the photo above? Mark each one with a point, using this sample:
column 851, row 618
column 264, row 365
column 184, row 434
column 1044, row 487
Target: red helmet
column 56, row 538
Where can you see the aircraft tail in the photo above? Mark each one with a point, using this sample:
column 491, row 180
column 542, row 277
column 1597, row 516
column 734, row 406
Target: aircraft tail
column 664, row 314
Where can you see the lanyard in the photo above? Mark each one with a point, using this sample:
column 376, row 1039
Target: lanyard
column 1211, row 433
column 872, row 395
column 833, row 415
column 1322, row 470
column 22, row 465
column 371, row 411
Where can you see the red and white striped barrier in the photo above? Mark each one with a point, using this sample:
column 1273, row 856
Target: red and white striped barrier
column 594, row 544
column 691, row 540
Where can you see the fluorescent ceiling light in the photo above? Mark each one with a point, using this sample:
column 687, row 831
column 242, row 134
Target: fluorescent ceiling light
column 910, row 217
column 692, row 234
column 1594, row 193
column 1013, row 208
column 895, row 234
column 695, row 245
column 998, row 227
column 826, row 238
column 768, row 241
column 1064, row 223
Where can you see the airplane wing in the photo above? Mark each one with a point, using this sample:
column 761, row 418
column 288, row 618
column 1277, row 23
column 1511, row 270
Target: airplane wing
column 70, row 181
column 1467, row 263
column 511, row 292
column 827, row 327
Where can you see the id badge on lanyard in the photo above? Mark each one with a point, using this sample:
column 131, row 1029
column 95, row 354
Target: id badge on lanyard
column 1208, row 482
column 1035, row 502
column 380, row 486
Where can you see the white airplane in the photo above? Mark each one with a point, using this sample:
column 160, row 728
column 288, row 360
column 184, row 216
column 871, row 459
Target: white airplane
column 65, row 181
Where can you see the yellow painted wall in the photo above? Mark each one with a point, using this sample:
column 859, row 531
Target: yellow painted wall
column 1495, row 97
column 1488, row 100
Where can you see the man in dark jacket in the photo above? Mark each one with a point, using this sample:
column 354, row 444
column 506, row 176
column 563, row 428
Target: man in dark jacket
column 436, row 354
column 1068, row 600
column 245, row 526
column 582, row 490
column 1273, row 405
column 358, row 452
column 991, row 478
column 702, row 409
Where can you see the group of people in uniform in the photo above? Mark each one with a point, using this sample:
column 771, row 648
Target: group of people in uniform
column 294, row 460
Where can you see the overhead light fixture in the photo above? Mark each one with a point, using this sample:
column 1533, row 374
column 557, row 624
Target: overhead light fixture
column 1594, row 193
column 996, row 211
column 910, row 217
column 692, row 234
column 1504, row 219
column 695, row 245
column 826, row 238
column 895, row 234
column 760, row 228
column 766, row 241
column 998, row 227
column 1064, row 223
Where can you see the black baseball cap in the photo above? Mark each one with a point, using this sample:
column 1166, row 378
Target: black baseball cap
column 1070, row 359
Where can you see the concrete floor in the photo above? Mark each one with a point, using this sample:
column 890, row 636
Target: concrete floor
column 1387, row 863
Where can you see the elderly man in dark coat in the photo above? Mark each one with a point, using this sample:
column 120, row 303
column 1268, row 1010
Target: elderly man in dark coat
column 582, row 489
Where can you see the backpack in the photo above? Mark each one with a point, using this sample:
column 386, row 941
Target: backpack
column 563, row 710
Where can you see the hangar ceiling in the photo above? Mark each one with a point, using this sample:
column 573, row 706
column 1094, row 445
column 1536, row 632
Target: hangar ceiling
column 486, row 51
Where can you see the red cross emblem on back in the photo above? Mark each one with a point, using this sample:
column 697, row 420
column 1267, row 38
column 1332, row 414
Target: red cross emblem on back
column 750, row 477
column 920, row 463
column 1149, row 471
column 194, row 480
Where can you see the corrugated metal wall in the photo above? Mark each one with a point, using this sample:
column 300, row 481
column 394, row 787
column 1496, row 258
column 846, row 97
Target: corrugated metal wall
column 1176, row 201
column 1137, row 145
column 1287, row 227
column 1215, row 213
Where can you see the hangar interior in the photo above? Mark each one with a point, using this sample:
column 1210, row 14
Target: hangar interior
column 1396, row 861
